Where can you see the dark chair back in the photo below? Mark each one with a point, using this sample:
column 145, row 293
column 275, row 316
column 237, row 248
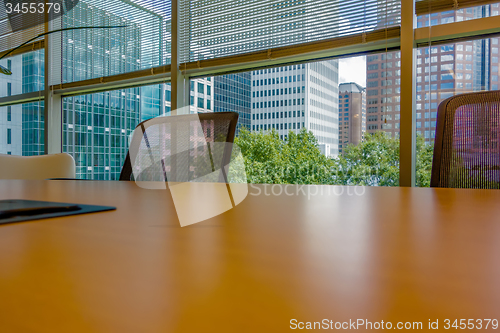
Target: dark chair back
column 180, row 148
column 467, row 147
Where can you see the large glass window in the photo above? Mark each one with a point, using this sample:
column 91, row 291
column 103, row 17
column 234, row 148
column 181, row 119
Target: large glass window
column 315, row 130
column 218, row 29
column 96, row 127
column 338, row 109
column 142, row 39
column 452, row 79
column 450, row 16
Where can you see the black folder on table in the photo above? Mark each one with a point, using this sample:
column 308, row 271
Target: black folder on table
column 24, row 210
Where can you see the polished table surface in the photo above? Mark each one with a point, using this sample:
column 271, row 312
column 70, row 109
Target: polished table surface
column 391, row 254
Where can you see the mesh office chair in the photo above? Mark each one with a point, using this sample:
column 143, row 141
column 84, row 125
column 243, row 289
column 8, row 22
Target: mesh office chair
column 467, row 147
column 181, row 148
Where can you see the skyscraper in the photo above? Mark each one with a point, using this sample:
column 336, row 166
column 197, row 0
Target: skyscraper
column 233, row 93
column 293, row 97
column 95, row 126
column 442, row 71
column 352, row 114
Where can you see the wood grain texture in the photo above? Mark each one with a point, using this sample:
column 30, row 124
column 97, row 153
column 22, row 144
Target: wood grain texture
column 392, row 254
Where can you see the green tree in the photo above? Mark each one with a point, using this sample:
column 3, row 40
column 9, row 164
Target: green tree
column 424, row 162
column 296, row 160
column 375, row 162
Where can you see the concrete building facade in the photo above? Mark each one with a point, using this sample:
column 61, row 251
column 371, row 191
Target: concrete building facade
column 298, row 96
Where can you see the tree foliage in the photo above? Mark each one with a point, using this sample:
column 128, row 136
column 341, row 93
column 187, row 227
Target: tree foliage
column 298, row 160
column 374, row 162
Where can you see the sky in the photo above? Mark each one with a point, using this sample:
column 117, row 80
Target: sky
column 353, row 70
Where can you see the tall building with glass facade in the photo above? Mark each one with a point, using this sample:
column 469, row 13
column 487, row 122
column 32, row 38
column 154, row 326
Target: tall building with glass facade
column 96, row 127
column 442, row 71
column 298, row 96
column 33, row 69
column 232, row 92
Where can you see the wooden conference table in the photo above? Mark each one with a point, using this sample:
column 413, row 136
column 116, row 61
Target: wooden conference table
column 391, row 254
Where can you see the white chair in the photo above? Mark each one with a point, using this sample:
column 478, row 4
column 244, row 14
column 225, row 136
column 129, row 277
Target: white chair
column 37, row 167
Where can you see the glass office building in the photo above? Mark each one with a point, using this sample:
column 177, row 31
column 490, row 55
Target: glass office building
column 233, row 93
column 96, row 127
column 442, row 71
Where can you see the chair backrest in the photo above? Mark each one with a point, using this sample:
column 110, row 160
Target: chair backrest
column 37, row 167
column 467, row 143
column 184, row 145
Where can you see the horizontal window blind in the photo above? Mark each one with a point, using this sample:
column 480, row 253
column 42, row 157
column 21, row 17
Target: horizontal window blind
column 213, row 29
column 423, row 7
column 143, row 42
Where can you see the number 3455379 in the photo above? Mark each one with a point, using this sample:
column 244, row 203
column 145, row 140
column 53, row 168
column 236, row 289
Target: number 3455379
column 471, row 324
column 33, row 8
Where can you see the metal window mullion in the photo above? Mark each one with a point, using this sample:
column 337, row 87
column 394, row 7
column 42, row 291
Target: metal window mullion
column 179, row 81
column 52, row 102
column 407, row 137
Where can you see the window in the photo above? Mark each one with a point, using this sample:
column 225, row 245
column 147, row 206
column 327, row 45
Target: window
column 447, row 57
column 122, row 109
column 201, row 88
